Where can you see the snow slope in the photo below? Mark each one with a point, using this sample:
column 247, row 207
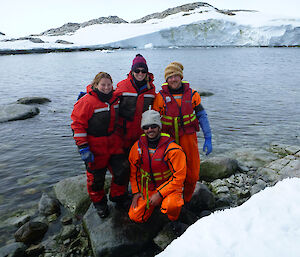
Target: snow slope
column 267, row 225
column 203, row 26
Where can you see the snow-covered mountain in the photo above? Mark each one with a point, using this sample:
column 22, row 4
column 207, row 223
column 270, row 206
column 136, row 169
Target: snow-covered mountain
column 195, row 24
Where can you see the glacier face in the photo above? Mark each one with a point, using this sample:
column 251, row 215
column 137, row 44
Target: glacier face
column 215, row 32
column 202, row 26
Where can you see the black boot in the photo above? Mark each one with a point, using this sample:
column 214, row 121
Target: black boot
column 122, row 202
column 102, row 208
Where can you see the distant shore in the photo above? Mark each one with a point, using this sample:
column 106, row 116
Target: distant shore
column 96, row 48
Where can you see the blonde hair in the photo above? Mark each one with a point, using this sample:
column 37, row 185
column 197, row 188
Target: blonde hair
column 100, row 76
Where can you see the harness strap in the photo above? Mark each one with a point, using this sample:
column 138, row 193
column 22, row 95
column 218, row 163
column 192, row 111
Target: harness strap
column 190, row 117
column 146, row 176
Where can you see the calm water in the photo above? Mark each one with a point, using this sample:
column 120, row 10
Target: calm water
column 256, row 101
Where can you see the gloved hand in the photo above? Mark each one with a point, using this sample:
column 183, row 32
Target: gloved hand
column 81, row 94
column 204, row 124
column 207, row 145
column 86, row 155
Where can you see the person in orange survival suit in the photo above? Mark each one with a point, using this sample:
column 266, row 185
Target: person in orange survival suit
column 95, row 118
column 158, row 171
column 136, row 93
column 182, row 112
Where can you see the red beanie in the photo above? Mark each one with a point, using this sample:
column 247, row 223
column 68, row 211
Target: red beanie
column 139, row 62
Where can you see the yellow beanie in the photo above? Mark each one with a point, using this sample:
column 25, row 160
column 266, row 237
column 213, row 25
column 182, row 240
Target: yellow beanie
column 174, row 68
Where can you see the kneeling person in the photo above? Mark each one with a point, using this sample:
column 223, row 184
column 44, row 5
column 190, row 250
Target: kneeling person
column 158, row 171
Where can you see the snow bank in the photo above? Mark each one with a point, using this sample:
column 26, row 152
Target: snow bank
column 267, row 225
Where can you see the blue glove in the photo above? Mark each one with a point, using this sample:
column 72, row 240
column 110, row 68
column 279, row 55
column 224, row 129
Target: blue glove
column 86, row 155
column 204, row 124
column 207, row 145
column 81, row 94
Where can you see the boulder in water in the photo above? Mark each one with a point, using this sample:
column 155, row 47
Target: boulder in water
column 12, row 112
column 72, row 193
column 33, row 100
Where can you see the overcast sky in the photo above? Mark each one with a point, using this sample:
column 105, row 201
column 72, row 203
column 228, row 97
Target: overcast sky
column 24, row 17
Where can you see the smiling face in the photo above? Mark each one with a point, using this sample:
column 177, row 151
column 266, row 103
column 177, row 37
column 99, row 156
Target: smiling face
column 152, row 131
column 104, row 86
column 174, row 82
column 139, row 74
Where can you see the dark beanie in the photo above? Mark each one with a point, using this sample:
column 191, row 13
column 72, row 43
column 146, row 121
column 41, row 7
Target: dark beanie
column 139, row 62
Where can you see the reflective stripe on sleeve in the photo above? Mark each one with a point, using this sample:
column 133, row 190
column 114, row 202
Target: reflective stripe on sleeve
column 101, row 109
column 80, row 135
column 149, row 95
column 129, row 94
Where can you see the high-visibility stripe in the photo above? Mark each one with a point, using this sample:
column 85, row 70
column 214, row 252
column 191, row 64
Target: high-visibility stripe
column 116, row 106
column 129, row 94
column 164, row 173
column 80, row 135
column 149, row 95
column 177, row 96
column 176, row 128
column 101, row 109
column 168, row 117
column 166, row 123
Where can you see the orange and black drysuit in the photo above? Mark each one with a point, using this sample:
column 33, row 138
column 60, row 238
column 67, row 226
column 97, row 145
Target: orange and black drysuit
column 179, row 119
column 133, row 102
column 161, row 169
column 95, row 124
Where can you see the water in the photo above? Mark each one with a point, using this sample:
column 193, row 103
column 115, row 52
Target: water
column 256, row 101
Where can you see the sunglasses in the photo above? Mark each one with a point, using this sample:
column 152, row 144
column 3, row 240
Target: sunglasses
column 138, row 71
column 153, row 126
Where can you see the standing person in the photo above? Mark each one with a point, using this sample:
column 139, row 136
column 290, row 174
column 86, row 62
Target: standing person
column 158, row 171
column 182, row 112
column 136, row 93
column 95, row 117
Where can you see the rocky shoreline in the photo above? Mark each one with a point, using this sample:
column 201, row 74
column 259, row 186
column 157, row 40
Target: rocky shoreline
column 65, row 224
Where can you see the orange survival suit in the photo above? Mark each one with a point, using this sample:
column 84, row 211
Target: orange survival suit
column 95, row 125
column 161, row 170
column 179, row 120
column 133, row 102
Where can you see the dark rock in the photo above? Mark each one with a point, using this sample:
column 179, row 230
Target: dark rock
column 12, row 112
column 204, row 213
column 31, row 231
column 103, row 20
column 223, row 202
column 2, row 34
column 13, row 250
column 33, row 100
column 67, row 220
column 119, row 235
column 169, row 232
column 203, row 93
column 48, row 205
column 71, row 28
column 187, row 217
column 170, row 11
column 202, row 199
column 35, row 250
column 68, row 231
column 218, row 167
column 36, row 40
column 60, row 41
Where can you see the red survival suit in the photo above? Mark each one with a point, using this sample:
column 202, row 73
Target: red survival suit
column 95, row 125
column 133, row 102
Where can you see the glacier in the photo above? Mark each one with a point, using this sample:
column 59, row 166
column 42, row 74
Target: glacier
column 205, row 26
